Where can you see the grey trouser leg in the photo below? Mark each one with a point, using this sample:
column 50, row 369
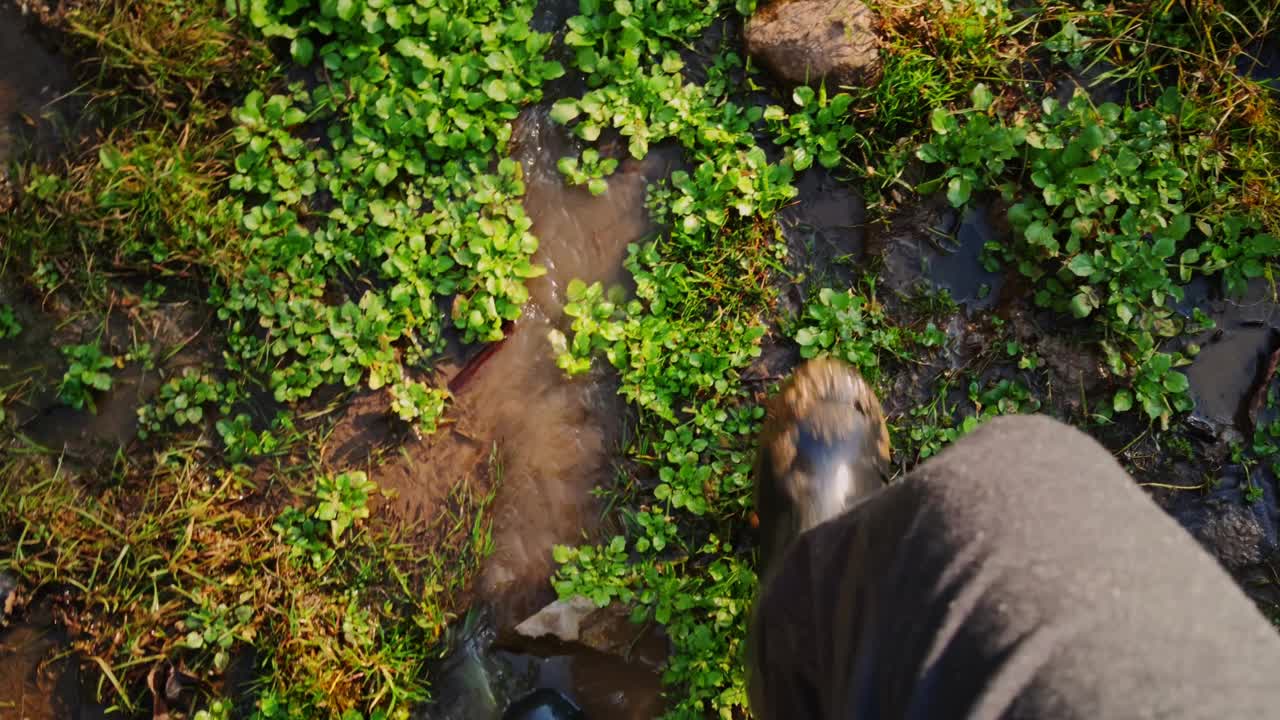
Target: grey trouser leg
column 1021, row 574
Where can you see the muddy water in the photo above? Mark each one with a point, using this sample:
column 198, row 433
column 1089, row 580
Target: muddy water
column 955, row 265
column 555, row 435
column 519, row 424
column 477, row 682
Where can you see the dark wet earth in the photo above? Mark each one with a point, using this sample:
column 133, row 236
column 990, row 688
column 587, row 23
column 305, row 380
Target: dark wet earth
column 36, row 88
column 556, row 437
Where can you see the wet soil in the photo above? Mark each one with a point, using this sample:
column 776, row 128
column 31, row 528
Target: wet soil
column 31, row 368
column 36, row 681
column 37, row 106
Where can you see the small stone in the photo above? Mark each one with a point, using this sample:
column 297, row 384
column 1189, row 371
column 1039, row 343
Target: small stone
column 816, row 41
column 609, row 630
column 561, row 619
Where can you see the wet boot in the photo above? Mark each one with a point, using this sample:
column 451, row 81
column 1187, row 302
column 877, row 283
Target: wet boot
column 544, row 704
column 824, row 446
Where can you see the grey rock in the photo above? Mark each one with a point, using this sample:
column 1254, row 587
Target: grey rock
column 1235, row 536
column 812, row 41
column 1238, row 533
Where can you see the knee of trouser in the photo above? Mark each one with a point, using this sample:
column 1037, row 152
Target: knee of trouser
column 1018, row 453
column 1019, row 435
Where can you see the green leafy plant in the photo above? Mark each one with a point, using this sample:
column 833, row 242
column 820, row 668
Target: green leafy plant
column 597, row 326
column 241, row 441
column 305, row 537
column 343, row 500
column 217, row 709
column 854, row 327
column 591, row 170
column 818, row 128
column 9, row 325
column 215, row 628
column 86, row 373
column 928, row 428
column 182, row 401
column 1106, row 228
column 418, row 403
column 418, row 204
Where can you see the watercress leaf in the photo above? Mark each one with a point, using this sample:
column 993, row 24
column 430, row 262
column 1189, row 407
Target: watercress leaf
column 110, row 158
column 941, row 121
column 1123, row 401
column 958, row 191
column 384, row 173
column 1081, row 265
column 981, row 96
column 1124, row 312
column 496, row 90
column 1154, row 406
column 552, row 70
column 800, row 158
column 565, row 110
column 1176, row 382
column 1081, row 305
column 302, row 50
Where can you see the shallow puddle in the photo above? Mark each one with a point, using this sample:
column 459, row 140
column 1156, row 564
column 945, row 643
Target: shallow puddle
column 933, row 247
column 1228, row 371
column 544, row 439
column 825, row 229
column 479, row 680
column 956, row 263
